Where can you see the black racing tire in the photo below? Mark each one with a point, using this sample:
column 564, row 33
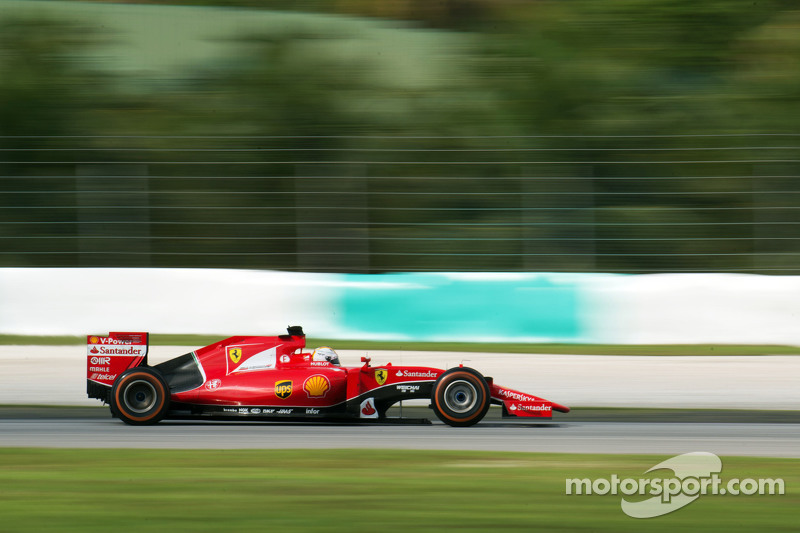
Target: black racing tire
column 140, row 396
column 461, row 397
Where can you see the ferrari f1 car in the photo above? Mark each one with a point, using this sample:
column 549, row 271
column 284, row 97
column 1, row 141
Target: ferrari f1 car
column 268, row 378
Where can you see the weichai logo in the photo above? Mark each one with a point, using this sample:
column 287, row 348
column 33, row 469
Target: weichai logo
column 283, row 389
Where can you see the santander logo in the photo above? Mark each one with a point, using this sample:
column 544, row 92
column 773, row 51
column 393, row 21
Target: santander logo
column 368, row 409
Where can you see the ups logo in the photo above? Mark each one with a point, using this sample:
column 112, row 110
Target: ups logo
column 283, row 389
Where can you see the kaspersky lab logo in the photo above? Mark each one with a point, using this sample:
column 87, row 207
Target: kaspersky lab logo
column 694, row 474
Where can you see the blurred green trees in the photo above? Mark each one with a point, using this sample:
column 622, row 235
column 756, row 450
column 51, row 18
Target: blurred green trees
column 632, row 136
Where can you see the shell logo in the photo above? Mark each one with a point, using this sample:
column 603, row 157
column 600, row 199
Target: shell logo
column 94, row 340
column 317, row 386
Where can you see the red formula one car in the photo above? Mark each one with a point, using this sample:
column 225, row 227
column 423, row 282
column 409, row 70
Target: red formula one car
column 268, row 378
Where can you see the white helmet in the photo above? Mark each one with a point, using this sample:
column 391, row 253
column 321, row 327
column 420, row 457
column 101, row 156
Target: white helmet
column 324, row 353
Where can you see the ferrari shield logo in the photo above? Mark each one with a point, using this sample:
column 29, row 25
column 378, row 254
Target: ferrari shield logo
column 283, row 389
column 235, row 354
column 380, row 376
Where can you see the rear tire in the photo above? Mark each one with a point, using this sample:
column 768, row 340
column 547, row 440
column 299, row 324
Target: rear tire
column 140, row 396
column 461, row 397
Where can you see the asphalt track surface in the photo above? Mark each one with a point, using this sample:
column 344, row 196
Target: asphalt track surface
column 56, row 375
column 724, row 439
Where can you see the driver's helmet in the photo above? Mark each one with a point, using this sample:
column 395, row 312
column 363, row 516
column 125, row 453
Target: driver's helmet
column 324, row 353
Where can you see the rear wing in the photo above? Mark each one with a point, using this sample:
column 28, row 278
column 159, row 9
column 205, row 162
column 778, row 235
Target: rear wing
column 109, row 356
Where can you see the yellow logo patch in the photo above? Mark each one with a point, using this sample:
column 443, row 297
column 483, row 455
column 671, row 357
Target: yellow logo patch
column 283, row 389
column 235, row 354
column 317, row 386
column 380, row 376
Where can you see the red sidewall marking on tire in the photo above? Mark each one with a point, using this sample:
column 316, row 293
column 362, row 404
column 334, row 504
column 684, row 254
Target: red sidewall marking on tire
column 150, row 379
column 466, row 376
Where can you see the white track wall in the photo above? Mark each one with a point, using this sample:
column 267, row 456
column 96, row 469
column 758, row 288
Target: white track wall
column 536, row 307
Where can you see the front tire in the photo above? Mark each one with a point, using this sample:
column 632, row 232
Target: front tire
column 461, row 397
column 140, row 396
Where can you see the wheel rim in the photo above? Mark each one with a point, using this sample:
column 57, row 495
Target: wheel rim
column 140, row 396
column 460, row 396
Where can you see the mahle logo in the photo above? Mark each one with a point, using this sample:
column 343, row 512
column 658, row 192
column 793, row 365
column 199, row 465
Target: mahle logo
column 283, row 389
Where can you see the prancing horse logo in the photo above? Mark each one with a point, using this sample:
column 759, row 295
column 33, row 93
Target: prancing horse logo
column 380, row 376
column 235, row 354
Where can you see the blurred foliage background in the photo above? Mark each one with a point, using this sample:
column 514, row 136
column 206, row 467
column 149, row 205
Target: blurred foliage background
column 363, row 136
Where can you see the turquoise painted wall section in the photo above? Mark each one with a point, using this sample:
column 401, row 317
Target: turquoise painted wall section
column 435, row 306
column 470, row 307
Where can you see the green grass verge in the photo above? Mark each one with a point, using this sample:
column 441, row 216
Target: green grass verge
column 355, row 490
column 159, row 339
